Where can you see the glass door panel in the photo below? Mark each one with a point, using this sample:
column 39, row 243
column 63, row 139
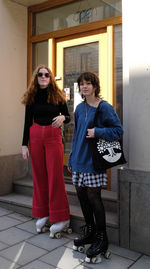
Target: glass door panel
column 39, row 54
column 77, row 59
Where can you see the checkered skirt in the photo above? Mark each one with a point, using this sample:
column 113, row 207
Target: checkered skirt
column 89, row 180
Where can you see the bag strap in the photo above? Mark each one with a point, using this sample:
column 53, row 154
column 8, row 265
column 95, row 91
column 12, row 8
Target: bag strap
column 97, row 111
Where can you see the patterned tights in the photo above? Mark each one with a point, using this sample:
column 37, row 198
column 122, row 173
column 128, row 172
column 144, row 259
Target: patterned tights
column 92, row 206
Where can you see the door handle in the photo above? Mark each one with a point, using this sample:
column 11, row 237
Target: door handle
column 58, row 78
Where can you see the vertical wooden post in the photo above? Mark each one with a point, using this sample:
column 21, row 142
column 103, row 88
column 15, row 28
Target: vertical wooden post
column 29, row 48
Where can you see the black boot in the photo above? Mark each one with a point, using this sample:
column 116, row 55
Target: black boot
column 86, row 238
column 99, row 246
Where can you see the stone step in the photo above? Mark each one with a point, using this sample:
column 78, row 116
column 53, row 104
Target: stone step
column 23, row 204
column 25, row 186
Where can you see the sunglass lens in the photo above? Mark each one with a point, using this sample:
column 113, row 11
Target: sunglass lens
column 47, row 75
column 40, row 74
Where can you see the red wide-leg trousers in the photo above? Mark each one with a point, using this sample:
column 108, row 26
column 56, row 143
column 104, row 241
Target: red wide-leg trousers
column 49, row 194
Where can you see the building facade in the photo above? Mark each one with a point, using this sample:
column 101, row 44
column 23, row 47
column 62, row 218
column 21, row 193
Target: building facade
column 107, row 37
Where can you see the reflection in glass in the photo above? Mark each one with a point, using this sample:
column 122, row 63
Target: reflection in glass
column 77, row 59
column 73, row 14
column 118, row 86
column 39, row 54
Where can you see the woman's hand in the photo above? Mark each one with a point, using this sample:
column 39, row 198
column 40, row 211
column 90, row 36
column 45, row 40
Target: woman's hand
column 90, row 133
column 69, row 169
column 25, row 152
column 57, row 121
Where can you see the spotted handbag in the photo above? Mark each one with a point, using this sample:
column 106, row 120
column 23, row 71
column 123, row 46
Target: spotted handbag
column 106, row 154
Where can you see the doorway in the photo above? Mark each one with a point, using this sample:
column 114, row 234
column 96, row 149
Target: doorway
column 74, row 56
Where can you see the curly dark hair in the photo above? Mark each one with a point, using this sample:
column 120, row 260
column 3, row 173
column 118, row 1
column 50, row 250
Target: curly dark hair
column 55, row 95
column 93, row 78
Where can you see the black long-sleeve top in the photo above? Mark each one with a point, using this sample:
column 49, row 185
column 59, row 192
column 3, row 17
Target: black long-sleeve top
column 42, row 113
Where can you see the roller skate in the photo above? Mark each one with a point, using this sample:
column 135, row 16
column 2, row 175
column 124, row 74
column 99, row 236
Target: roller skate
column 86, row 238
column 57, row 228
column 99, row 247
column 41, row 225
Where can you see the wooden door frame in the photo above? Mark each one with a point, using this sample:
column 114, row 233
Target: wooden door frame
column 85, row 29
column 68, row 33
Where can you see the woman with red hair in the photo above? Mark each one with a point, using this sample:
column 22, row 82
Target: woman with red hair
column 46, row 110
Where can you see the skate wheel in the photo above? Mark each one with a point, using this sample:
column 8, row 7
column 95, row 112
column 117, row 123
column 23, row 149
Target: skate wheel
column 107, row 254
column 69, row 231
column 44, row 229
column 96, row 259
column 81, row 249
column 75, row 248
column 58, row 235
column 87, row 259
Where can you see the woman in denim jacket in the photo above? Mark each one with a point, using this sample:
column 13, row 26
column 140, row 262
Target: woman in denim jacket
column 87, row 181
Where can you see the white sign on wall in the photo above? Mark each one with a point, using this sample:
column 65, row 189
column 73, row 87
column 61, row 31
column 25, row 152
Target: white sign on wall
column 77, row 95
column 67, row 93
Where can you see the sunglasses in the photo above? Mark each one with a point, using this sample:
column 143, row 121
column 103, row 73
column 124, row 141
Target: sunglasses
column 40, row 74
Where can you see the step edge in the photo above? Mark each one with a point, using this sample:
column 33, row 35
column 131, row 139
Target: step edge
column 7, row 199
column 25, row 181
column 106, row 195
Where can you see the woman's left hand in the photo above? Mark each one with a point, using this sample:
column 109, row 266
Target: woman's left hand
column 90, row 133
column 57, row 121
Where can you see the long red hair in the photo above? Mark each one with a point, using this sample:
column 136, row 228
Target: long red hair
column 55, row 95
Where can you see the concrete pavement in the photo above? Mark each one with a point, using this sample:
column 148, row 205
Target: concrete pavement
column 22, row 247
